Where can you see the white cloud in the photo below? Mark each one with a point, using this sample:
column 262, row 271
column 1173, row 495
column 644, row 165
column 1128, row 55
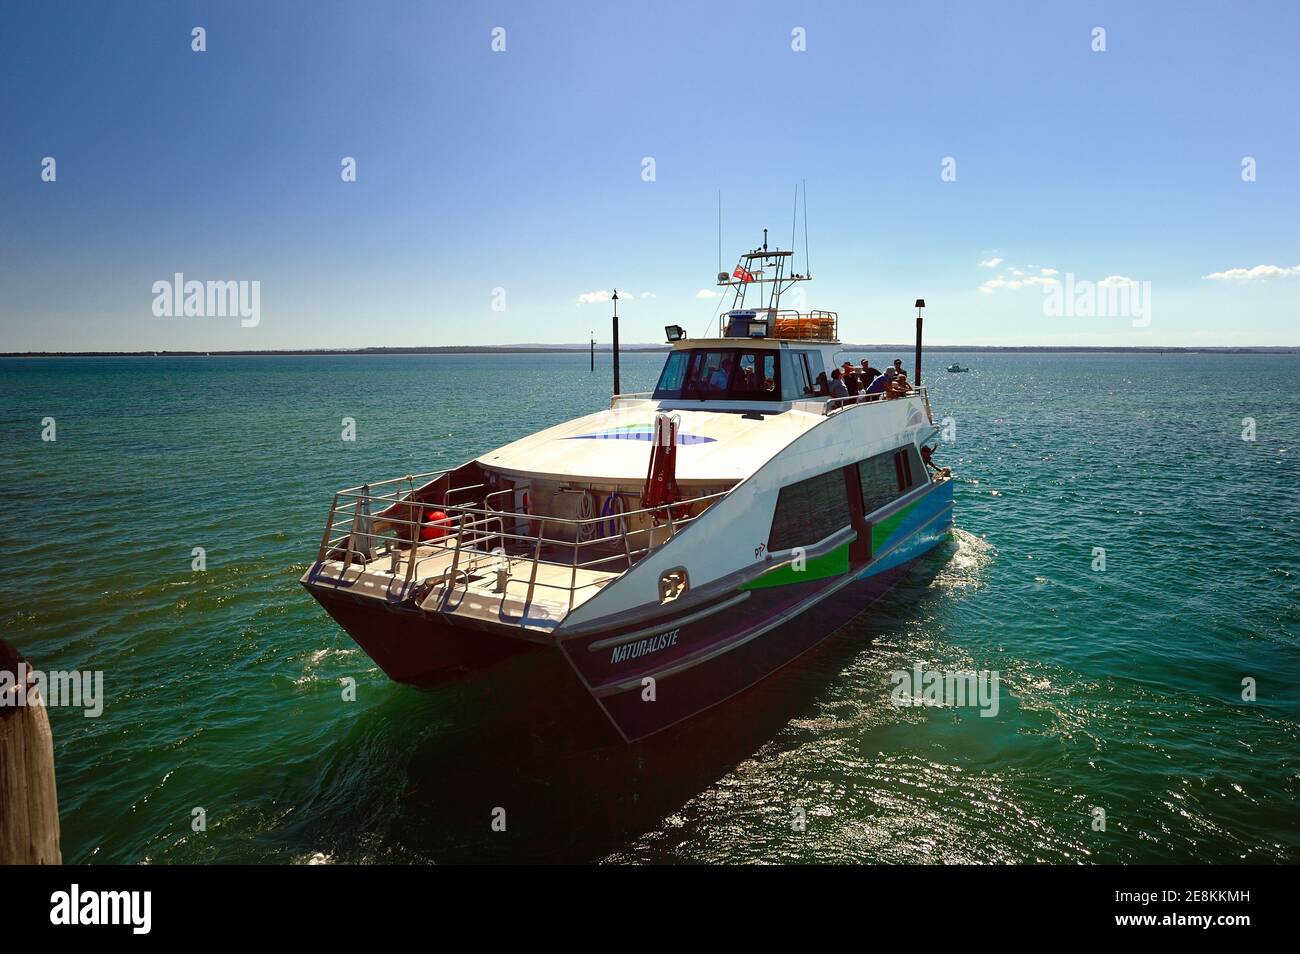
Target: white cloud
column 994, row 284
column 1115, row 281
column 1045, row 271
column 1250, row 274
column 991, row 263
column 600, row 294
column 708, row 293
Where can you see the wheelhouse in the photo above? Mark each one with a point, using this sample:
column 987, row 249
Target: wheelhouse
column 727, row 370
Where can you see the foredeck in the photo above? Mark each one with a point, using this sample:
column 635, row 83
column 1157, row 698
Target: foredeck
column 473, row 592
column 482, row 569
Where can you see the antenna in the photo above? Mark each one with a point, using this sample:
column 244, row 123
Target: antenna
column 719, row 231
column 794, row 224
column 807, row 269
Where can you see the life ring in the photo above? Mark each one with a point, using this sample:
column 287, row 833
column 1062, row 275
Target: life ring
column 614, row 508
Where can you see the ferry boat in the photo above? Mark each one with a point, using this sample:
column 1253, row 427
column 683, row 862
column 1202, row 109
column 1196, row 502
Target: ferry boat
column 663, row 554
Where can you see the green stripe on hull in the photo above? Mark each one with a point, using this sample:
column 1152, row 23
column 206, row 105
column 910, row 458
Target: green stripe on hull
column 834, row 563
column 882, row 531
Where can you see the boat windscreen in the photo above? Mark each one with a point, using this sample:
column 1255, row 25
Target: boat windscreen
column 720, row 374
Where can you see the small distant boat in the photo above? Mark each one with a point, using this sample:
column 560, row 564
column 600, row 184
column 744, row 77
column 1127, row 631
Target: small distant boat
column 957, row 369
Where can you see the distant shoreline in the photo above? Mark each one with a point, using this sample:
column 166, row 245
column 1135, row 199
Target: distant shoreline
column 901, row 349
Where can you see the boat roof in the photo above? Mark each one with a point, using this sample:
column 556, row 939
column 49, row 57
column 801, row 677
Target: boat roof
column 714, row 445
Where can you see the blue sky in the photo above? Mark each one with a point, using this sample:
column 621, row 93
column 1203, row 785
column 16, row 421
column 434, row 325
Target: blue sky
column 522, row 170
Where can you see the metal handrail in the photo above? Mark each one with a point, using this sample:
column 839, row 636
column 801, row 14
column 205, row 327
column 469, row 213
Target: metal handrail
column 630, row 396
column 467, row 526
column 834, row 405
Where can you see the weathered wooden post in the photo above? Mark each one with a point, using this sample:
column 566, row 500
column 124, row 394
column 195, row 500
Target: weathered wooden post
column 29, row 804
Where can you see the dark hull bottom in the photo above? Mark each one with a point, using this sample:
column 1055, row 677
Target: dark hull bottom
column 424, row 652
column 420, row 650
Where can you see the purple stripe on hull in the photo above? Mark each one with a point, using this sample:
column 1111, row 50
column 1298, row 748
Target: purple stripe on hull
column 709, row 682
column 671, row 643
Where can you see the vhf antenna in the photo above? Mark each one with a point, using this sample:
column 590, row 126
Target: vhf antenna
column 807, row 269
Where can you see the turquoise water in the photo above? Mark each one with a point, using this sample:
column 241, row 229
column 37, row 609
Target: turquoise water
column 1120, row 689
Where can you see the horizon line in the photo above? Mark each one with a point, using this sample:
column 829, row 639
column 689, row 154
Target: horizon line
column 644, row 348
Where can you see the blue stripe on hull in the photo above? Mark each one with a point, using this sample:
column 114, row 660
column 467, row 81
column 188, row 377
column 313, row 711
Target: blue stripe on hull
column 928, row 523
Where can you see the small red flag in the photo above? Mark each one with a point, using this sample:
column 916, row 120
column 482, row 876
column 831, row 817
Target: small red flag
column 743, row 274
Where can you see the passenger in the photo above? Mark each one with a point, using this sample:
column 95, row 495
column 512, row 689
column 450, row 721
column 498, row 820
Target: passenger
column 823, row 386
column 927, row 454
column 878, row 386
column 867, row 374
column 898, row 365
column 851, row 379
column 899, row 386
column 718, row 378
column 838, row 390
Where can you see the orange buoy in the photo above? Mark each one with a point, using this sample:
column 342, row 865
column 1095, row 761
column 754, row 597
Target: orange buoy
column 436, row 525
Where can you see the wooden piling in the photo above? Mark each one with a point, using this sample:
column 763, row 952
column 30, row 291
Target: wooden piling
column 29, row 804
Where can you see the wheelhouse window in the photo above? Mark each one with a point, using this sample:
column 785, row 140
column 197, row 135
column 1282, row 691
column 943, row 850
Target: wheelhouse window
column 799, row 375
column 795, row 382
column 720, row 374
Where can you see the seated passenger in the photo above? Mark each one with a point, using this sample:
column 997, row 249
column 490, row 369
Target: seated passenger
column 899, row 386
column 838, row 390
column 718, row 378
column 822, row 387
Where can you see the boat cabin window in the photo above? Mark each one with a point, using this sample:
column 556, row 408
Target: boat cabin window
column 720, row 374
column 886, row 477
column 809, row 511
